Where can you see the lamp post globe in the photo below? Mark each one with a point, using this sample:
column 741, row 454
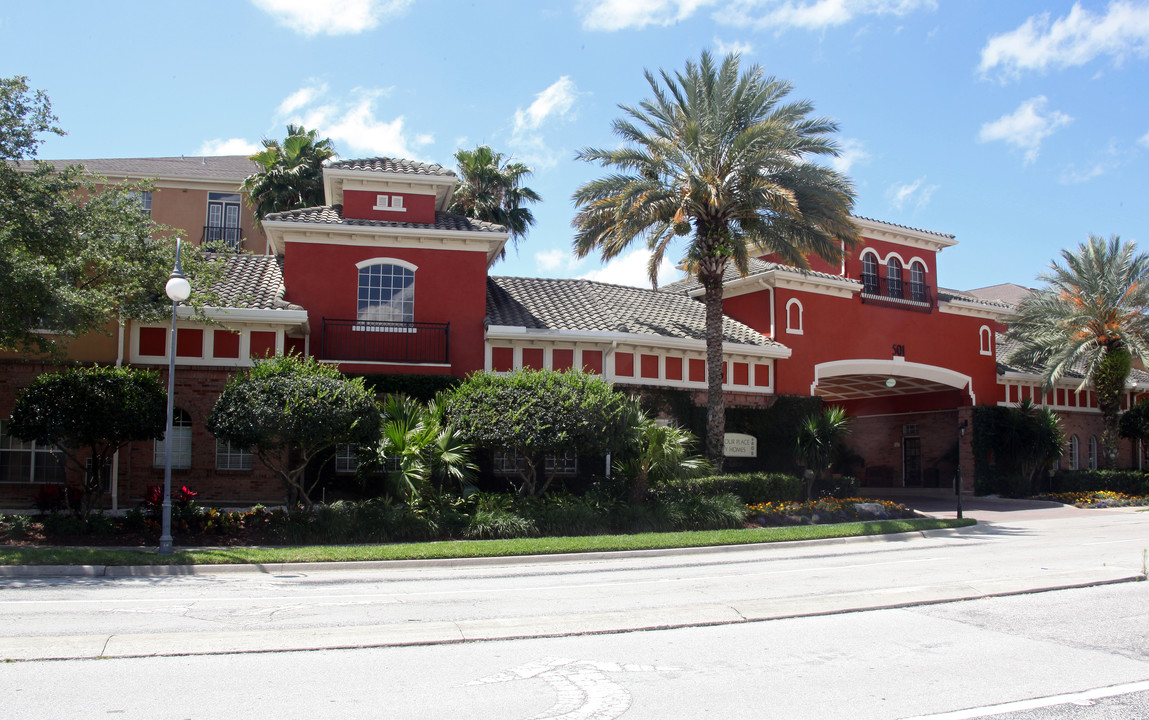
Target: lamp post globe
column 177, row 289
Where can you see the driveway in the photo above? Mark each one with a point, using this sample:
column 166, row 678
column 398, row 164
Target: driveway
column 943, row 504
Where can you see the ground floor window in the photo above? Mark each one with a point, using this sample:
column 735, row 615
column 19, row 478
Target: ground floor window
column 565, row 463
column 27, row 461
column 181, row 442
column 1073, row 452
column 1092, row 452
column 232, row 457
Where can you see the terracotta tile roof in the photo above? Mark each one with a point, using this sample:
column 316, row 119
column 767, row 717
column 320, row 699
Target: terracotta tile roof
column 333, row 215
column 754, row 267
column 948, row 236
column 1009, row 293
column 588, row 306
column 945, row 294
column 391, row 165
column 252, row 282
column 219, row 167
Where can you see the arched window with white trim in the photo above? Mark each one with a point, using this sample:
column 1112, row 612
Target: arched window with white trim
column 794, row 317
column 870, row 274
column 386, row 291
column 894, row 277
column 985, row 336
column 918, row 282
column 1073, row 453
column 181, row 440
column 1092, row 452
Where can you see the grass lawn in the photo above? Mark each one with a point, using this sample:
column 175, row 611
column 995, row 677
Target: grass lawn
column 18, row 555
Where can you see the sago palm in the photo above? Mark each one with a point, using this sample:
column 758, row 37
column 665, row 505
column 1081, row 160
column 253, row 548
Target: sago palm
column 1089, row 318
column 722, row 159
column 818, row 434
column 491, row 189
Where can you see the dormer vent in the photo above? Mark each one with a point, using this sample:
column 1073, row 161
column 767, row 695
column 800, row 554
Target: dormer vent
column 390, row 203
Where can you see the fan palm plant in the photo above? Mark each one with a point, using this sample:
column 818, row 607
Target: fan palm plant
column 491, row 189
column 417, row 449
column 818, row 436
column 658, row 453
column 721, row 158
column 1089, row 318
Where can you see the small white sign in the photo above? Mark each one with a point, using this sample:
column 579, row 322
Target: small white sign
column 739, row 445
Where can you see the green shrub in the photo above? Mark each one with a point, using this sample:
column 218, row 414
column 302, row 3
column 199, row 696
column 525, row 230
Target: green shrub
column 751, row 488
column 1128, row 482
column 498, row 524
column 568, row 514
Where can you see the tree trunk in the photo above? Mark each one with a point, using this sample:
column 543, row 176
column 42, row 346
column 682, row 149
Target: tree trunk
column 715, row 400
column 640, row 486
column 1109, row 382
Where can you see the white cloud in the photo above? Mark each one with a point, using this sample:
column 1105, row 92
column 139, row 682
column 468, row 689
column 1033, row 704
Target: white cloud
column 811, row 14
column 1070, row 41
column 555, row 259
column 633, row 269
column 1111, row 158
column 1025, row 128
column 737, row 46
column 331, row 17
column 1143, row 141
column 352, row 123
column 231, row 146
column 556, row 100
column 611, row 15
column 917, row 193
column 851, row 153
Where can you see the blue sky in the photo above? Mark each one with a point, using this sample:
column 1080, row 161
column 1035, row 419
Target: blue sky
column 1019, row 126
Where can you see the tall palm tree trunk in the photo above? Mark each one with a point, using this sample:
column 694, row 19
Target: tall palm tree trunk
column 715, row 399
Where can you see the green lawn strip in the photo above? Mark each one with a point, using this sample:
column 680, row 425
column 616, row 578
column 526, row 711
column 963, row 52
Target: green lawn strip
column 465, row 548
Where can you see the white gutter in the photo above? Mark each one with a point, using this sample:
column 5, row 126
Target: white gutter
column 510, row 332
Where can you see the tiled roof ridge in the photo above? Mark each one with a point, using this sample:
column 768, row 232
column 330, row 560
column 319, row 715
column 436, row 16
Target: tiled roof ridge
column 755, row 266
column 948, row 236
column 964, row 297
column 392, row 165
column 334, row 216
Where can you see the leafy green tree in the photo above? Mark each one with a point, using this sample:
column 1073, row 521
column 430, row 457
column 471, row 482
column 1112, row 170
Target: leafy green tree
column 1090, row 317
column 292, row 173
column 289, row 410
column 721, row 158
column 818, row 438
column 90, row 413
column 533, row 413
column 491, row 189
column 1032, row 441
column 72, row 256
column 1134, row 422
column 659, row 453
column 417, row 449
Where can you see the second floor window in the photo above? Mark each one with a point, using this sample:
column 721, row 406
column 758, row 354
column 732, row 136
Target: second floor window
column 917, row 283
column 870, row 275
column 894, row 277
column 387, row 293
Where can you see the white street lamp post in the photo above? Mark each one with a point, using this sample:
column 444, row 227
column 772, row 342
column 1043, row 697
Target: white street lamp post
column 178, row 289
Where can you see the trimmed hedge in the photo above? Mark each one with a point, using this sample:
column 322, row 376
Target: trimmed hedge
column 751, row 488
column 1129, row 482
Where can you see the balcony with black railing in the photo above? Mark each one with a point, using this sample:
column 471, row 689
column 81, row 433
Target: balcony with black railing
column 222, row 238
column 353, row 340
column 894, row 292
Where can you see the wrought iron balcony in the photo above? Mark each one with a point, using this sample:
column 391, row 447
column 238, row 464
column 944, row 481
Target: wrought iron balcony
column 223, row 238
column 382, row 341
column 894, row 292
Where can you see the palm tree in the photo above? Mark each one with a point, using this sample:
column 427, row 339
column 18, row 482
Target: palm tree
column 292, row 174
column 420, row 448
column 491, row 189
column 722, row 157
column 818, row 436
column 1089, row 318
column 658, row 453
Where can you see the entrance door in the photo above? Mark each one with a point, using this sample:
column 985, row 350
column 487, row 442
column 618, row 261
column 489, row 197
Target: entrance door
column 912, row 461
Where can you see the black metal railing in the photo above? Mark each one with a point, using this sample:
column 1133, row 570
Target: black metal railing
column 382, row 341
column 222, row 238
column 897, row 292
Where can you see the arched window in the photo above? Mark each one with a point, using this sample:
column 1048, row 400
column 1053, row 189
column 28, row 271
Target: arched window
column 1092, row 452
column 794, row 317
column 986, row 337
column 386, row 291
column 181, row 442
column 894, row 277
column 917, row 282
column 1073, row 452
column 870, row 274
